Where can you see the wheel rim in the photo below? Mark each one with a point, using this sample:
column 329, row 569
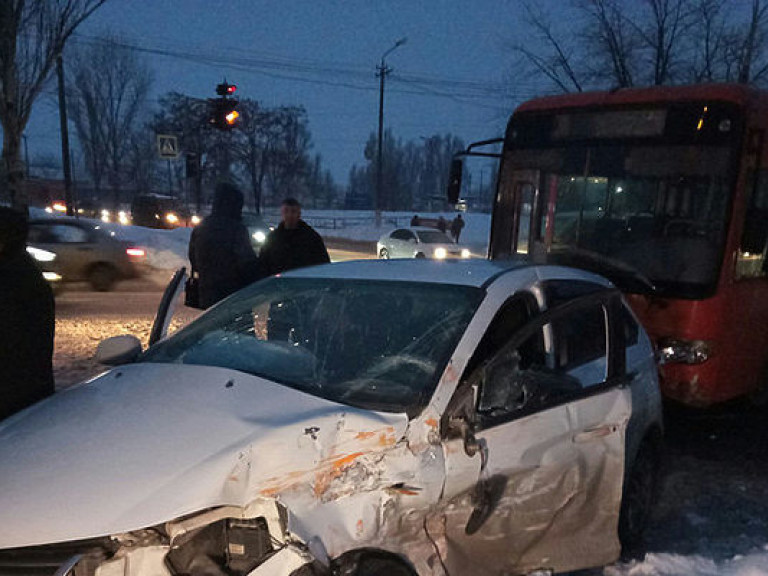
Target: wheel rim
column 384, row 254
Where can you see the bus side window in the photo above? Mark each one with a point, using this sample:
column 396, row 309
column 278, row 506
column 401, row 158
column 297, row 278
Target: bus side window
column 753, row 253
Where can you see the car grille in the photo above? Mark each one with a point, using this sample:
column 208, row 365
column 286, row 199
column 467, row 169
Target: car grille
column 45, row 560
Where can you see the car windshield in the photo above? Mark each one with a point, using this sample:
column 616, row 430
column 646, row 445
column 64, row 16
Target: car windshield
column 379, row 345
column 433, row 237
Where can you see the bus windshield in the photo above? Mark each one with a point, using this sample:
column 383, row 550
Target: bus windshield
column 661, row 209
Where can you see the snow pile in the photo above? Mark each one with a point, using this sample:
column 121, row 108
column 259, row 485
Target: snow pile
column 755, row 564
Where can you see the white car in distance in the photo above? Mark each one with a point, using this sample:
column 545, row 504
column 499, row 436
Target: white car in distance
column 419, row 242
column 368, row 418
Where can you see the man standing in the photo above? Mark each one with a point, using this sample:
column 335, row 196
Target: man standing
column 220, row 251
column 293, row 244
column 26, row 320
column 456, row 227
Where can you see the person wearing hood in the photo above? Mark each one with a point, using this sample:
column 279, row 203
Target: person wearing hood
column 27, row 320
column 293, row 244
column 220, row 250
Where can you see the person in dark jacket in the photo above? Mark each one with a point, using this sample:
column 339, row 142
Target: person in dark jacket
column 442, row 224
column 457, row 226
column 293, row 244
column 26, row 320
column 220, row 250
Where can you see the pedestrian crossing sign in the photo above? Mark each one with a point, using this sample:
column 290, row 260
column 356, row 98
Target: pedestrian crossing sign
column 167, row 146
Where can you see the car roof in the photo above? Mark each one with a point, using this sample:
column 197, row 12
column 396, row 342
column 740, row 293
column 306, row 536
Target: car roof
column 473, row 272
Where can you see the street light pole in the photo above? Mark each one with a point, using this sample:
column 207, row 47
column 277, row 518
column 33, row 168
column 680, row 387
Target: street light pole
column 382, row 72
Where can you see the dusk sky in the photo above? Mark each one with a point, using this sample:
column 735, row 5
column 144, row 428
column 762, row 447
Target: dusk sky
column 454, row 74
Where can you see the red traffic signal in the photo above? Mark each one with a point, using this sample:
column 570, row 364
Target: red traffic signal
column 225, row 89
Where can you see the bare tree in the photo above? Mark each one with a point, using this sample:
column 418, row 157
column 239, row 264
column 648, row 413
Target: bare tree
column 107, row 102
column 251, row 147
column 554, row 59
column 662, row 35
column 32, row 36
column 611, row 42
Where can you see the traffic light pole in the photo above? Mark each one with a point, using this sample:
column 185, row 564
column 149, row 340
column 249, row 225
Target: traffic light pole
column 65, row 161
column 383, row 70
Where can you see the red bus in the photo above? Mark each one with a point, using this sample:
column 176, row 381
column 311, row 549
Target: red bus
column 665, row 191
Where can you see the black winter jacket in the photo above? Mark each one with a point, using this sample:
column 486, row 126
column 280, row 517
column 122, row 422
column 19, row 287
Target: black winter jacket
column 220, row 252
column 26, row 333
column 289, row 249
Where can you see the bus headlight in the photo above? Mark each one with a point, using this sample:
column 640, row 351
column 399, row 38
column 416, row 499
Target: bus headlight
column 195, row 220
column 259, row 236
column 122, row 217
column 441, row 253
column 676, row 351
column 465, row 253
column 171, row 218
column 105, row 215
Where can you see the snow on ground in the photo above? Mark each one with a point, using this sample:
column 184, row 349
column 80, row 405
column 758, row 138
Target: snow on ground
column 755, row 564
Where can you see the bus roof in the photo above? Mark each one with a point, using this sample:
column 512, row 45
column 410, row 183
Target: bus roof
column 737, row 93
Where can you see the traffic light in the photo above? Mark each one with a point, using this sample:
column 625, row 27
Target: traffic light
column 223, row 112
column 225, row 89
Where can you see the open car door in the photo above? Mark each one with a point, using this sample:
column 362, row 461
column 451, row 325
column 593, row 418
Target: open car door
column 548, row 428
column 167, row 306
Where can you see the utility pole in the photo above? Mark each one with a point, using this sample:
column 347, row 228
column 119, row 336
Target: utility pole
column 381, row 72
column 65, row 161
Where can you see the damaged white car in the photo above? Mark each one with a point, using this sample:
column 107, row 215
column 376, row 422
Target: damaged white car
column 366, row 418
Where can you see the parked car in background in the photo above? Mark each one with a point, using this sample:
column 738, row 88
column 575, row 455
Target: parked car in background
column 398, row 418
column 158, row 211
column 419, row 242
column 85, row 253
column 258, row 229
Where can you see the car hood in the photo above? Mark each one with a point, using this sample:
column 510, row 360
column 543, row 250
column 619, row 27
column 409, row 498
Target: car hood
column 148, row 443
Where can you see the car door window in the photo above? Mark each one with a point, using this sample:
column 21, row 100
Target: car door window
column 581, row 345
column 555, row 361
column 68, row 234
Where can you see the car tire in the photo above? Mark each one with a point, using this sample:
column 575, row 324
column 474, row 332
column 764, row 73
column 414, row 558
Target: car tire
column 420, row 256
column 369, row 562
column 384, row 254
column 102, row 277
column 640, row 491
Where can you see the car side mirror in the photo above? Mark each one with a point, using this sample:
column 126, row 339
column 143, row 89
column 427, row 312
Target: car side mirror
column 503, row 388
column 454, row 181
column 118, row 350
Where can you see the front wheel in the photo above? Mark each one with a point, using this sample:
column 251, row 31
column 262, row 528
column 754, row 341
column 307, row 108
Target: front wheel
column 637, row 501
column 420, row 256
column 102, row 277
column 384, row 254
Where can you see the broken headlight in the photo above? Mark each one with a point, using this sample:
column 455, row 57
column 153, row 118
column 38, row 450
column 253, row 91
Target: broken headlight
column 227, row 547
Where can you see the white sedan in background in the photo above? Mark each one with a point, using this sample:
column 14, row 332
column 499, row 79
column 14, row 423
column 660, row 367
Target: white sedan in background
column 367, row 418
column 419, row 242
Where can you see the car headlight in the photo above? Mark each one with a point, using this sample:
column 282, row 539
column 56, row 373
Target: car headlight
column 677, row 351
column 259, row 236
column 195, row 220
column 465, row 253
column 171, row 218
column 41, row 255
column 441, row 253
column 51, row 276
column 105, row 215
column 122, row 217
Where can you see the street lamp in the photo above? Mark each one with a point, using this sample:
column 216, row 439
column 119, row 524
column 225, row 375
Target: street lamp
column 382, row 72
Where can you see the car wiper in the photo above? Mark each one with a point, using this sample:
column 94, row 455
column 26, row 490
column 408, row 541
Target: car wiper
column 615, row 270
